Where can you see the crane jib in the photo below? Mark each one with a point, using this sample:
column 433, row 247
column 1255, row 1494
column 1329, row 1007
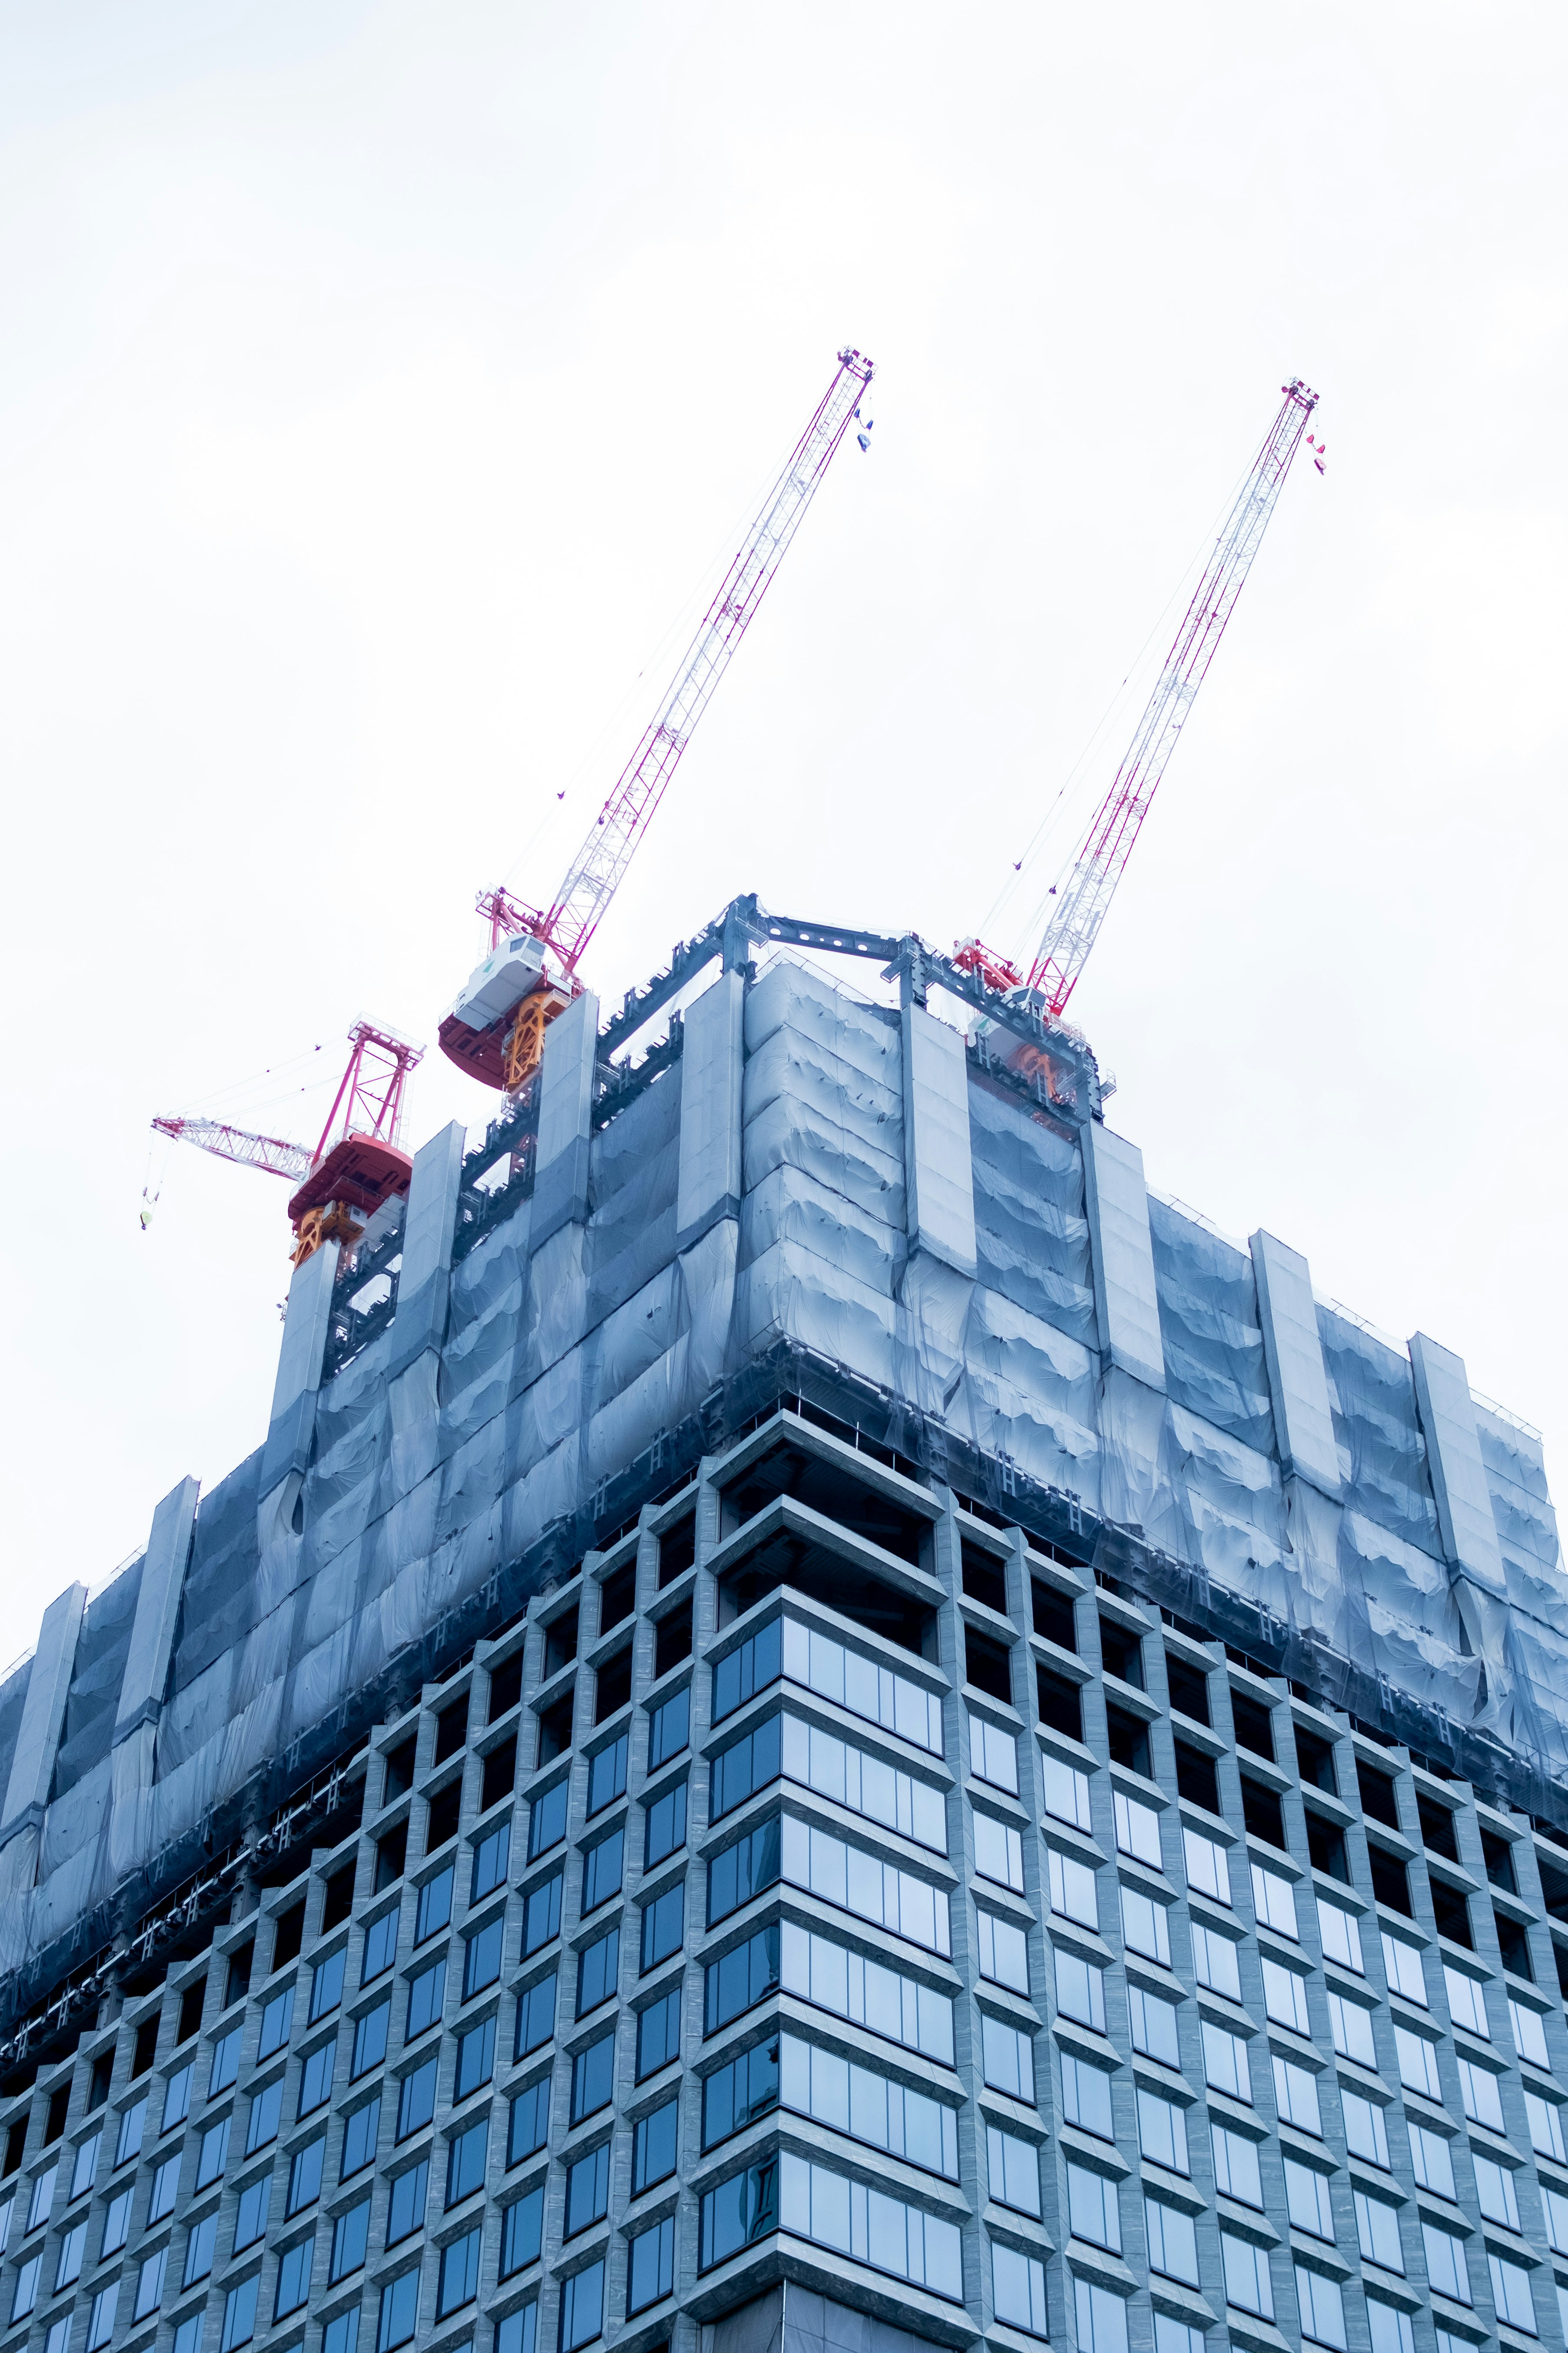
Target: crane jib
column 1102, row 860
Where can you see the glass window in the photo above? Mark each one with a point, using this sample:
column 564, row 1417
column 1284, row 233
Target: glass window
column 669, row 1729
column 72, row 2251
column 1153, row 2024
column 380, row 1948
column 399, row 2314
column 1101, row 2319
column 199, row 2247
column 1321, row 2308
column 339, row 2336
column 1093, row 2208
column 1544, row 2118
column 1274, row 1902
column 1295, row 2097
column 998, row 1851
column 150, row 2284
column 1339, row 1935
column 747, row 1765
column 482, row 1957
column 587, row 2189
column 607, row 1775
column 213, row 2154
column 116, row 2223
column 405, row 2206
column 736, row 2095
column 664, row 1923
column 847, row 1774
column 434, row 1911
column 316, row 2078
column 992, row 1755
column 1012, row 2170
column 1086, row 2096
column 1308, row 2200
column 1430, row 2161
column 1207, row 1865
column 1477, row 2086
column 1402, row 1965
column 177, row 2098
column 1072, row 1893
column 593, row 2077
column 293, row 2278
column 1003, row 1951
column 665, row 1828
column 188, row 2335
column 361, row 2133
column 1495, row 2192
column 650, row 2269
column 475, row 2058
column 224, row 2069
column 370, row 2039
column 1247, row 2282
column 25, row 2292
column 305, row 2174
column 1173, row 2241
column 521, row 2225
column 1236, row 2166
column 1066, row 1792
column 1080, row 1990
column 128, row 2144
column 1390, row 2330
column 1447, row 2268
column 1018, row 2288
column 1529, row 2035
column 1225, row 2066
column 416, row 2099
column 815, row 2202
column 853, row 2099
column 351, row 2238
column 1510, row 2293
column 860, row 1883
column 327, row 1984
column 466, row 2162
column 542, row 1913
column 239, row 2315
column 1137, row 1830
column 582, row 2308
column 1214, row 1961
column 426, row 1999
column 266, row 2109
column 1285, row 1997
column 1366, row 2132
column 535, row 2017
column 165, row 2185
column 1162, row 2129
column 1351, row 2026
column 492, row 1859
column 1467, row 2001
column 749, row 1668
column 823, row 1972
column 1145, row 1927
column 654, row 2147
column 1008, row 2058
column 858, row 1685
column 528, row 2125
column 458, row 2281
column 277, row 2020
column 603, row 1870
column 1377, row 2231
column 659, row 2032
column 250, row 2216
column 84, row 2173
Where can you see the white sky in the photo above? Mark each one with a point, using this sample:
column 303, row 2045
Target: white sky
column 378, row 383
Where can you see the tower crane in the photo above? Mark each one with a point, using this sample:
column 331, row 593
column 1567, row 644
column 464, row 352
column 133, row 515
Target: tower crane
column 358, row 1163
column 495, row 1031
column 1102, row 855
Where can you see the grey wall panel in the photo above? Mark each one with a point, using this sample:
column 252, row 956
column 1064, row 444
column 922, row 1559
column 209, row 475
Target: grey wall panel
column 43, row 1714
column 565, row 1114
column 1454, row 1452
column 1303, row 1419
column 1125, row 1295
column 151, row 1647
column 939, row 1181
column 711, row 1068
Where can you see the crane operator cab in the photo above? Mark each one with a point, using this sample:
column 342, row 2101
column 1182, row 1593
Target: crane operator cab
column 496, row 1028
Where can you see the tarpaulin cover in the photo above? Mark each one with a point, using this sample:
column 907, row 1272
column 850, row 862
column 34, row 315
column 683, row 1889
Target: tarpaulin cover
column 563, row 1364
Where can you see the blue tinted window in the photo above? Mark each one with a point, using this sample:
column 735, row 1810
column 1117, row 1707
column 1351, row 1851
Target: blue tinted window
column 747, row 1671
column 593, row 2077
column 607, row 1775
column 359, row 2135
column 327, row 1984
column 380, row 1946
column 670, row 1728
column 588, row 2191
column 743, row 1870
column 658, row 2033
column 663, row 1925
column 745, row 1766
column 541, row 1915
column 460, row 2277
column 651, row 2271
column 598, row 1966
column 521, row 2227
column 405, row 2206
column 265, row 2111
column 293, row 2278
column 736, row 2095
column 305, row 2175
column 466, row 2162
column 481, row 1956
column 427, row 1996
column 528, row 2127
column 653, row 2148
column 316, row 2078
column 399, row 2313
column 535, row 2017
column 475, row 2058
column 416, row 2099
column 370, row 2039
column 666, row 1826
column 738, row 1979
column 351, row 2237
column 582, row 2308
column 434, row 1906
column 547, row 1819
column 602, row 1867
column 276, row 2020
column 492, row 1857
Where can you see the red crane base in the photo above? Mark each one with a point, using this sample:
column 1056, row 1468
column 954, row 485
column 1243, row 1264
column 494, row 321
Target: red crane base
column 361, row 1171
column 480, row 1052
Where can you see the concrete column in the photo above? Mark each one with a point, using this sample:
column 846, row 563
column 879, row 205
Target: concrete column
column 300, row 1368
column 565, row 1119
column 1298, row 1377
column 711, row 1063
column 43, row 1716
column 938, row 1175
column 429, row 1222
column 1126, row 1303
column 147, row 1661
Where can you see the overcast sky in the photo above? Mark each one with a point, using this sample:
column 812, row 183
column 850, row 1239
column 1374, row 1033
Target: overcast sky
column 377, row 389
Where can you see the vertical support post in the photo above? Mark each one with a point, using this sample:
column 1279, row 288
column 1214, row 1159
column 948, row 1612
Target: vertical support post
column 939, row 1173
column 429, row 1223
column 711, row 1065
column 565, row 1119
column 1298, row 1377
column 1126, row 1301
column 287, row 1455
column 38, row 1736
column 151, row 1647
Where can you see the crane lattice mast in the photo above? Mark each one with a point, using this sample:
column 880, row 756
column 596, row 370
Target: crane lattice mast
column 567, row 926
column 1101, row 860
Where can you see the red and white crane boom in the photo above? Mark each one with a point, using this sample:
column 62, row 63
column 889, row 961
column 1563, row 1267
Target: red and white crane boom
column 485, row 1033
column 1106, row 845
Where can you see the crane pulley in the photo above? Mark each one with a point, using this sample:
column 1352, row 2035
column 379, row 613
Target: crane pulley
column 495, row 1029
column 1101, row 859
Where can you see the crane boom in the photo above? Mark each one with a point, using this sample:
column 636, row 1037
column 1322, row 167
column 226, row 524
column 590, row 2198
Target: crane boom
column 495, row 1031
column 1101, row 860
column 596, row 870
column 269, row 1152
